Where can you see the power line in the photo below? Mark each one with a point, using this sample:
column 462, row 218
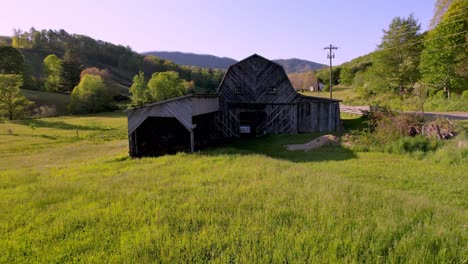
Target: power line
column 444, row 48
column 451, row 16
column 417, row 54
column 415, row 31
column 372, row 60
column 440, row 17
column 423, row 41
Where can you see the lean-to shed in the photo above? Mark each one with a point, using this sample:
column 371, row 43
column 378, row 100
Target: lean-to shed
column 178, row 124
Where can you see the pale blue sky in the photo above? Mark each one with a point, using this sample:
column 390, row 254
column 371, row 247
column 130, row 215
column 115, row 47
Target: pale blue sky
column 275, row 29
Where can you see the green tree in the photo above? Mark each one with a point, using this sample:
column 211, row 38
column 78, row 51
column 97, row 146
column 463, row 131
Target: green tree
column 323, row 76
column 445, row 55
column 346, row 76
column 440, row 8
column 20, row 39
column 53, row 73
column 139, row 90
column 12, row 101
column 11, row 61
column 106, row 77
column 71, row 70
column 420, row 95
column 397, row 57
column 90, row 96
column 166, row 85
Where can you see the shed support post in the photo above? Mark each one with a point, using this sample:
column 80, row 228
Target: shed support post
column 192, row 141
column 137, row 154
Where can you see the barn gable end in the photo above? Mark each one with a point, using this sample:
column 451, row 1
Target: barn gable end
column 260, row 81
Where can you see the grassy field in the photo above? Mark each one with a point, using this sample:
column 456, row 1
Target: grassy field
column 339, row 92
column 69, row 193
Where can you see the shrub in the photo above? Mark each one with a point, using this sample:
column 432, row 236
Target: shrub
column 441, row 94
column 389, row 126
column 396, row 133
column 464, row 95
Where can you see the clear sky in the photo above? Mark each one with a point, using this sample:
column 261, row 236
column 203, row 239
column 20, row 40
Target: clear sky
column 275, row 29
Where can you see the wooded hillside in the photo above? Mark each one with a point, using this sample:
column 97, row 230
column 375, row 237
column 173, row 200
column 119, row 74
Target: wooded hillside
column 121, row 61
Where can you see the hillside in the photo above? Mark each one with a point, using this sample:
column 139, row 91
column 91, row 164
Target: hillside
column 78, row 52
column 298, row 65
column 210, row 61
column 192, row 59
column 5, row 41
column 69, row 193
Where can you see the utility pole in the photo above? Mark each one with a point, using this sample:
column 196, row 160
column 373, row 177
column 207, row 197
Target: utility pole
column 331, row 55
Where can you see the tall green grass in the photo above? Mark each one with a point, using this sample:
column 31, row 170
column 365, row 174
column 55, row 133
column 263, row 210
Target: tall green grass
column 81, row 199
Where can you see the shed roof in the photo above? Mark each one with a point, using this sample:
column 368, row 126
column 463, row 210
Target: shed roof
column 302, row 96
column 182, row 108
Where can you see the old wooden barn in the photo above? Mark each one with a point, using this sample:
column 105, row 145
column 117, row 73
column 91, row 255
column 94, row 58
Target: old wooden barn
column 255, row 98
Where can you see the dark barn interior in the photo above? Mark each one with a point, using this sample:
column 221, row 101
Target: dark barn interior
column 204, row 131
column 160, row 135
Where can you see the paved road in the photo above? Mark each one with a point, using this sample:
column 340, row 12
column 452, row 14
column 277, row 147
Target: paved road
column 449, row 115
column 359, row 110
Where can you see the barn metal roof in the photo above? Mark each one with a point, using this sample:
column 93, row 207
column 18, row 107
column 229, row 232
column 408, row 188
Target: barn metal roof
column 182, row 108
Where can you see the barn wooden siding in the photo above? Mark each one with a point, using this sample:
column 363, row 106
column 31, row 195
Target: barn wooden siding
column 318, row 115
column 266, row 88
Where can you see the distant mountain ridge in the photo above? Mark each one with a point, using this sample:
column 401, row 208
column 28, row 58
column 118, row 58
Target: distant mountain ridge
column 214, row 62
column 192, row 59
column 297, row 65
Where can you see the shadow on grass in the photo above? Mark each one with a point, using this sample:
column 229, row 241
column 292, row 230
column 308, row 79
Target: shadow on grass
column 61, row 125
column 119, row 113
column 338, row 88
column 273, row 146
column 355, row 122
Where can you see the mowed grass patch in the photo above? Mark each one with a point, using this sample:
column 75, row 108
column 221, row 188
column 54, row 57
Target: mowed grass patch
column 340, row 92
column 248, row 201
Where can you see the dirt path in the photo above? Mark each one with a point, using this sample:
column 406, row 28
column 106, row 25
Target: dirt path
column 357, row 110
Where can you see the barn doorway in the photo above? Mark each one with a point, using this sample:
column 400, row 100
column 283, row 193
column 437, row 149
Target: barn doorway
column 161, row 135
column 252, row 123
